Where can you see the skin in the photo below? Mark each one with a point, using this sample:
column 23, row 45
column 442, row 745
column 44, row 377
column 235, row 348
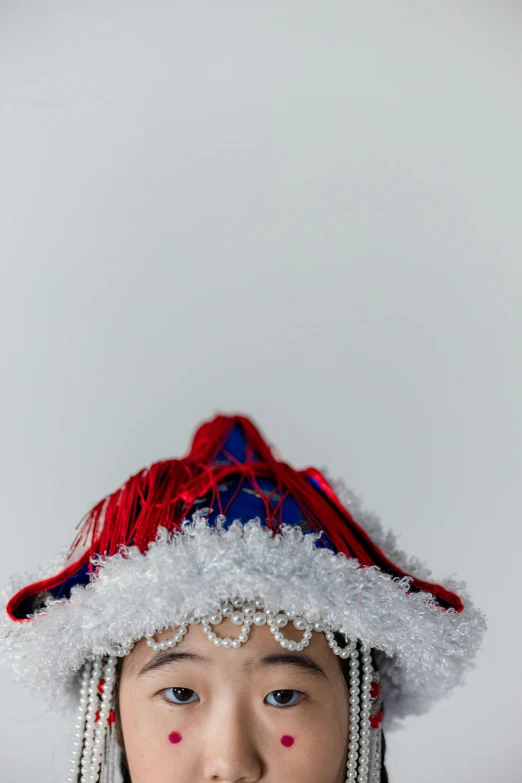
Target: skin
column 231, row 723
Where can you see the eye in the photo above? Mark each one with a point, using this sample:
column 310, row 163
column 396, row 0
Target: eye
column 181, row 695
column 284, row 698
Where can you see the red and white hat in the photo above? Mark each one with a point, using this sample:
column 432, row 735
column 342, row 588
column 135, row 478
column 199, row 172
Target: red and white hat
column 182, row 537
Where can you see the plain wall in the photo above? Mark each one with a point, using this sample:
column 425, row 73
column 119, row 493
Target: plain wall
column 307, row 212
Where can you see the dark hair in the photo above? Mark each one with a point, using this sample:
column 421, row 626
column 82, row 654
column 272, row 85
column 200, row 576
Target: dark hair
column 124, row 766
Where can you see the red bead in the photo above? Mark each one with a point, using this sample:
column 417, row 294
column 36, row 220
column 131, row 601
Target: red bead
column 375, row 720
column 100, row 686
column 111, row 718
column 97, row 716
column 375, row 690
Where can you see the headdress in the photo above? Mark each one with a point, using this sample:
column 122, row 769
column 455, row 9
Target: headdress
column 232, row 530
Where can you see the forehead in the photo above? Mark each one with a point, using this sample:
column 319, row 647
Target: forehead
column 261, row 643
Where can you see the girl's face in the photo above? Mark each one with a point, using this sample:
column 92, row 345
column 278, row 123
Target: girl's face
column 197, row 713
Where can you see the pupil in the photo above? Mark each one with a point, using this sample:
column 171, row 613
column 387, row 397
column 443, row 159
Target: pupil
column 284, row 696
column 183, row 694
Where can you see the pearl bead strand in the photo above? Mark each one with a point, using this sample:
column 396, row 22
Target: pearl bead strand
column 79, row 728
column 375, row 766
column 365, row 727
column 101, row 726
column 353, row 747
column 92, row 706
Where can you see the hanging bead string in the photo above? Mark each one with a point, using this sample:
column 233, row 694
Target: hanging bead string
column 91, row 708
column 375, row 756
column 364, row 725
column 108, row 768
column 106, row 686
column 365, row 735
column 79, row 728
column 376, row 728
column 353, row 746
column 95, row 716
column 113, row 754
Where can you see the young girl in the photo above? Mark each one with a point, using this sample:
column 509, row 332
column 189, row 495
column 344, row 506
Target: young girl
column 224, row 617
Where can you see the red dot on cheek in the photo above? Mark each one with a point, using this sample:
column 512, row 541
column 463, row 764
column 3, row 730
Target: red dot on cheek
column 175, row 737
column 287, row 741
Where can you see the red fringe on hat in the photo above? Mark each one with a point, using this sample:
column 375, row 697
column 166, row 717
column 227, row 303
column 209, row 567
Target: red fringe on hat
column 162, row 495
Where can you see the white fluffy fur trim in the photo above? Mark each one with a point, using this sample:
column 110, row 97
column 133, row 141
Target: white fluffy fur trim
column 426, row 651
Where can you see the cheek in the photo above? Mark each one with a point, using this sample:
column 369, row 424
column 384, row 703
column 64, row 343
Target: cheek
column 175, row 737
column 287, row 741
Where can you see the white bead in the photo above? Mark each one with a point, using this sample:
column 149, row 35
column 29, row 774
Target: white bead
column 259, row 618
column 237, row 618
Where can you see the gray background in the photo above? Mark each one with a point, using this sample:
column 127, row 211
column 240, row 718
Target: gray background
column 307, row 212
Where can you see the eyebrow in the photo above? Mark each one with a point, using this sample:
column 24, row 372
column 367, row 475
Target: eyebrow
column 298, row 661
column 301, row 662
column 166, row 657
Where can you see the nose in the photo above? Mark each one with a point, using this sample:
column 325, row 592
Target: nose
column 230, row 754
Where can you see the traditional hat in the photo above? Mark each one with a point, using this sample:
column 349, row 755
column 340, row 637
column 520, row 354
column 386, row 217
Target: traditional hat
column 231, row 529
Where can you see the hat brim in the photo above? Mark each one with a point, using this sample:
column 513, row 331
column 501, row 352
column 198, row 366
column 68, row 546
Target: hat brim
column 425, row 650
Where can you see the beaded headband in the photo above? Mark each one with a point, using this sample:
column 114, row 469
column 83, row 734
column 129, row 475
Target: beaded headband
column 246, row 613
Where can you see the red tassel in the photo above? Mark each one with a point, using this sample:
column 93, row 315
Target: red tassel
column 164, row 493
